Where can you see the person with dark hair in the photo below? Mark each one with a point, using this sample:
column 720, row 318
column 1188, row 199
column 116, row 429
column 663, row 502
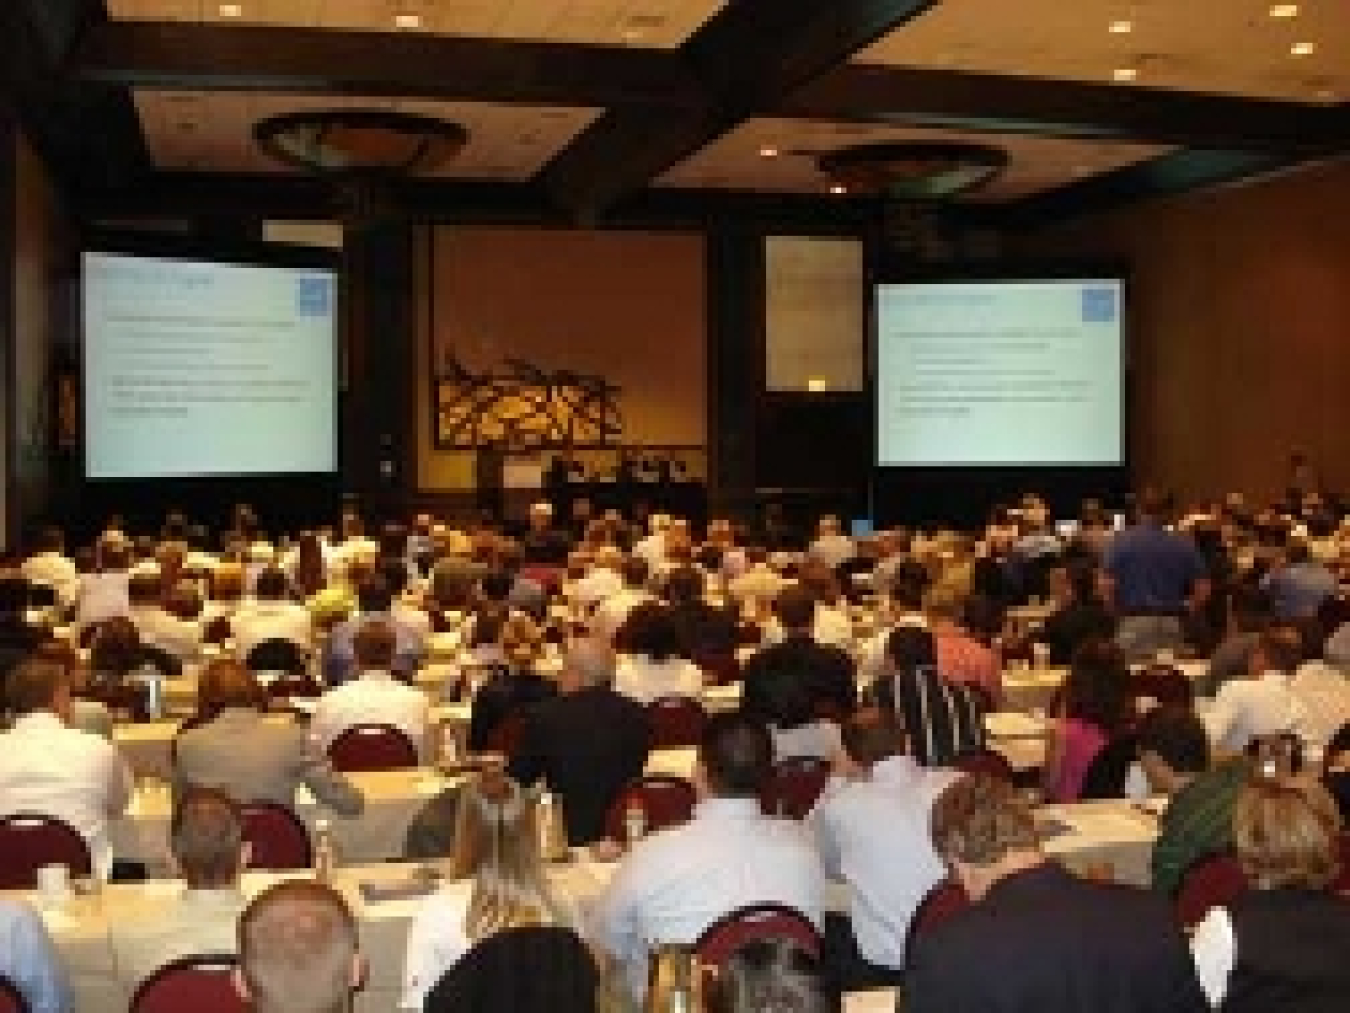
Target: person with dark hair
column 1264, row 703
column 103, row 594
column 1157, row 576
column 943, row 720
column 1248, row 614
column 654, row 664
column 181, row 638
column 514, row 683
column 706, row 631
column 789, row 711
column 1094, row 706
column 1080, row 614
column 1037, row 937
column 1174, row 754
column 872, row 834
column 770, row 976
column 271, row 615
column 826, row 671
column 612, row 612
column 675, row 883
column 1298, row 584
column 206, row 839
column 374, row 601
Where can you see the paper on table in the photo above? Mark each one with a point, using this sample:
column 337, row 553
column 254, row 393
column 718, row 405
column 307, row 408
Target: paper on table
column 1013, row 724
column 873, row 1000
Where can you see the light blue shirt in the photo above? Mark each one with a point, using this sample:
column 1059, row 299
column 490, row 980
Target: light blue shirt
column 873, row 834
column 339, row 663
column 29, row 960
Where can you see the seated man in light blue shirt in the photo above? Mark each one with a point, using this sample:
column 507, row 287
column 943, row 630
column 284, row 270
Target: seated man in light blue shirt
column 373, row 600
column 28, row 959
column 1298, row 586
column 872, row 829
column 675, row 883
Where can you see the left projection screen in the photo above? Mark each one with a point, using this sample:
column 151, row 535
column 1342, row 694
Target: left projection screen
column 196, row 368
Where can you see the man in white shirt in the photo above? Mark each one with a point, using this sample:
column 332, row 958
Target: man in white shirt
column 1263, row 704
column 157, row 627
column 873, row 834
column 1325, row 696
column 653, row 547
column 675, row 883
column 831, row 546
column 602, row 581
column 759, row 584
column 103, row 595
column 612, row 613
column 49, row 566
column 51, row 769
column 271, row 616
column 374, row 696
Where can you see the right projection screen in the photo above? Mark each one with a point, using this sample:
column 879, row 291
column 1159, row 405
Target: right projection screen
column 997, row 374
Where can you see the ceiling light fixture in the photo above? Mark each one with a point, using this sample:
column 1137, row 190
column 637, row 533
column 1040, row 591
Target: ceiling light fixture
column 1121, row 27
column 1303, row 48
column 768, row 151
column 1123, row 75
column 407, row 22
column 230, row 10
column 1284, row 10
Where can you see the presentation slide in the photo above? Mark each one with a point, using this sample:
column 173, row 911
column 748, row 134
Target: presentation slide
column 198, row 368
column 976, row 374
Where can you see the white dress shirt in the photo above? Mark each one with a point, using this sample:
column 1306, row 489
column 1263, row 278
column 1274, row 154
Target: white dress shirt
column 1325, row 696
column 678, row 881
column 831, row 550
column 821, row 739
column 51, row 569
column 48, row 768
column 180, row 637
column 644, row 680
column 872, row 654
column 613, row 612
column 1214, row 951
column 256, row 621
column 831, row 627
column 873, row 833
column 372, row 698
column 760, row 582
column 1245, row 709
column 102, row 596
column 597, row 586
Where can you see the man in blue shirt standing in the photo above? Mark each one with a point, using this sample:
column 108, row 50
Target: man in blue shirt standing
column 1157, row 576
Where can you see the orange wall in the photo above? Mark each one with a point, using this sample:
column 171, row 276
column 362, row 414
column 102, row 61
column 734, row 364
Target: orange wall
column 628, row 306
column 1241, row 329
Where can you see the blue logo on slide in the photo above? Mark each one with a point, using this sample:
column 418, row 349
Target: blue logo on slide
column 313, row 297
column 1099, row 305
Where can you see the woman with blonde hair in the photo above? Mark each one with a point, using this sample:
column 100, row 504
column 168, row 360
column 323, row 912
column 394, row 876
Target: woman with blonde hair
column 513, row 683
column 1285, row 943
column 496, row 881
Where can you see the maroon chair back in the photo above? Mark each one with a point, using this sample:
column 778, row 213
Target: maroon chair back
column 666, row 800
column 372, row 747
column 200, row 984
column 1212, row 881
column 547, row 577
column 676, row 721
column 128, row 698
column 794, row 786
column 11, row 999
column 724, row 937
column 1164, row 683
column 986, row 762
column 217, row 631
column 943, row 901
column 28, row 841
column 277, row 839
column 287, row 686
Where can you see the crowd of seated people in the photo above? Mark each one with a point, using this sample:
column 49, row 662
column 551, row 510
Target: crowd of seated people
column 881, row 656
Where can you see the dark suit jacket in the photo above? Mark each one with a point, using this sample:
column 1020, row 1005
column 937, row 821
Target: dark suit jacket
column 1047, row 941
column 587, row 745
column 828, row 670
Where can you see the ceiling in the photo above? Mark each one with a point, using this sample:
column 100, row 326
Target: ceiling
column 648, row 23
column 592, row 101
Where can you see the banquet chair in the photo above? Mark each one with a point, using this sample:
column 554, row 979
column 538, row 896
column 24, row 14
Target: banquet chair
column 276, row 837
column 1215, row 880
column 675, row 721
column 720, row 940
column 939, row 904
column 372, row 747
column 530, row 969
column 28, row 841
column 11, row 999
column 794, row 785
column 986, row 761
column 665, row 799
column 1166, row 684
column 277, row 655
column 202, row 984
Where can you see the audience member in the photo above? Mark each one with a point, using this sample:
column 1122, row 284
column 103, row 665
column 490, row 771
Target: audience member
column 1248, row 614
column 1037, row 937
column 561, row 745
column 29, row 959
column 1298, row 584
column 770, row 976
column 49, row 566
column 961, row 659
column 159, row 628
column 271, row 615
column 653, row 665
column 512, row 685
column 1094, row 707
column 942, row 720
column 827, row 671
column 1264, row 703
column 298, row 950
column 103, row 594
column 612, row 612
column 374, row 603
column 1080, row 614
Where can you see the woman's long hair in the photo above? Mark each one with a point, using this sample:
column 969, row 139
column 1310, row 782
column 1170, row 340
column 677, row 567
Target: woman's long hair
column 497, row 843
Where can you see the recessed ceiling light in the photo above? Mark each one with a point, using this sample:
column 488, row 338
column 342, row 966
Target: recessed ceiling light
column 407, row 22
column 1124, row 74
column 1284, row 10
column 1303, row 48
column 1121, row 27
column 838, row 188
column 230, row 10
column 768, row 151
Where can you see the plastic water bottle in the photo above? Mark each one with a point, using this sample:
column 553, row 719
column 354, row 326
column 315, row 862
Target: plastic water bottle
column 634, row 821
column 325, row 854
column 153, row 681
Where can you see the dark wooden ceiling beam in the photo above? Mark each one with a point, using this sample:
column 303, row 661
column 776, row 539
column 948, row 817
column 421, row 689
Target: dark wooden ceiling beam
column 746, row 56
column 1003, row 103
column 385, row 64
